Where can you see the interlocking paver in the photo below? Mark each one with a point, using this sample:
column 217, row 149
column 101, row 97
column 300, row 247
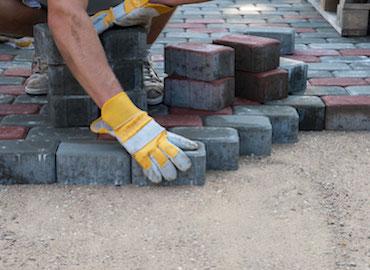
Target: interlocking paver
column 325, row 91
column 12, row 132
column 7, row 80
column 170, row 121
column 18, row 72
column 359, row 90
column 12, row 90
column 8, row 109
column 26, row 120
column 337, row 82
column 28, row 99
column 185, row 111
column 6, row 99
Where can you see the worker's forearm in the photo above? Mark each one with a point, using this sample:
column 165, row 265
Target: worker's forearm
column 82, row 51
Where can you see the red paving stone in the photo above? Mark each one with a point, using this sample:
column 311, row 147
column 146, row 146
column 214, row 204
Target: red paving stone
column 208, row 30
column 169, row 121
column 305, row 30
column 269, row 25
column 304, row 58
column 18, row 72
column 337, row 82
column 6, row 57
column 367, row 80
column 205, row 21
column 14, row 90
column 185, row 111
column 106, row 137
column 186, row 25
column 355, row 52
column 340, row 101
column 243, row 101
column 8, row 109
column 13, row 133
column 316, row 52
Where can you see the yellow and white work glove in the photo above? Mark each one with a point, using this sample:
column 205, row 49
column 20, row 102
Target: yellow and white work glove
column 129, row 13
column 157, row 151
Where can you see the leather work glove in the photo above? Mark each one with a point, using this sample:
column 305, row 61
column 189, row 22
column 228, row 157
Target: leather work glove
column 155, row 150
column 129, row 13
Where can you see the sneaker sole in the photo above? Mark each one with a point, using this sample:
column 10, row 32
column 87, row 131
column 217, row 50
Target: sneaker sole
column 33, row 91
column 155, row 101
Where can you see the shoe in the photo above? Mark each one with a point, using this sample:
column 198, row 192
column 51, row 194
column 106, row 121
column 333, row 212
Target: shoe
column 153, row 85
column 38, row 83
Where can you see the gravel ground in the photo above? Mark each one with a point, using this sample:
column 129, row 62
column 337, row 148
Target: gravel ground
column 305, row 207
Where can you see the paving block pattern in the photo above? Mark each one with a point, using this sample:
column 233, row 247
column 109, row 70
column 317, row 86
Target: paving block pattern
column 199, row 61
column 284, row 120
column 311, row 111
column 26, row 120
column 184, row 111
column 12, row 132
column 255, row 132
column 222, row 145
column 27, row 162
column 92, row 162
column 297, row 74
column 196, row 175
column 60, row 134
column 200, row 95
column 263, row 86
column 172, row 120
column 286, row 36
column 347, row 112
column 253, row 54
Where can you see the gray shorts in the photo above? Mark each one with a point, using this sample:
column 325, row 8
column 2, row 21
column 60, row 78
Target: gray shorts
column 94, row 5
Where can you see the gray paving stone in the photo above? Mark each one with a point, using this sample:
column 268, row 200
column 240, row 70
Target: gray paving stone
column 319, row 35
column 28, row 99
column 62, row 82
column 6, row 99
column 361, row 65
column 92, row 162
column 363, row 90
column 331, row 46
column 14, row 64
column 129, row 74
column 26, row 120
column 301, row 46
column 44, row 43
column 139, row 98
column 222, row 145
column 157, row 110
column 199, row 95
column 328, row 66
column 286, row 36
column 284, row 120
column 59, row 134
column 311, row 111
column 25, row 56
column 72, row 111
column 363, row 45
column 206, row 62
column 27, row 162
column 196, row 175
column 346, row 59
column 255, row 132
column 352, row 73
column 44, row 110
column 297, row 74
column 309, row 40
column 6, row 80
column 319, row 74
column 325, row 91
column 186, row 35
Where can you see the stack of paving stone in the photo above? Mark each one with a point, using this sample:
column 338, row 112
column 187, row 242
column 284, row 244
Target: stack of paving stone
column 69, row 104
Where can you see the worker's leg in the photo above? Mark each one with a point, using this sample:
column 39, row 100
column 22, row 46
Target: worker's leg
column 17, row 19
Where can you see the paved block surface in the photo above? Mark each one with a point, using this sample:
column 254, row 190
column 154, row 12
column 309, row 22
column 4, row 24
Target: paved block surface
column 359, row 90
column 28, row 99
column 14, row 90
column 253, row 54
column 222, row 145
column 199, row 61
column 200, row 95
column 45, row 43
column 26, row 120
column 185, row 111
column 196, row 175
column 169, row 121
column 262, row 87
column 129, row 74
column 60, row 134
column 347, row 112
column 255, row 132
column 156, row 110
column 8, row 109
column 286, row 36
column 284, row 120
column 62, row 82
column 311, row 111
column 324, row 91
column 6, row 99
column 92, row 162
column 12, row 132
column 297, row 74
column 27, row 162
column 72, row 111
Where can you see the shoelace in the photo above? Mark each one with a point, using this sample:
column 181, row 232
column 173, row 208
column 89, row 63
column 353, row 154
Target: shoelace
column 150, row 72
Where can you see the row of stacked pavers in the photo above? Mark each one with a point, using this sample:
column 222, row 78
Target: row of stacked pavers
column 69, row 104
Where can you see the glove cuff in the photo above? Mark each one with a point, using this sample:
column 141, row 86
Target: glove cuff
column 119, row 110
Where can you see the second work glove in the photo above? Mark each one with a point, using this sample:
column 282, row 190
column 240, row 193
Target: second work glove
column 155, row 150
column 129, row 13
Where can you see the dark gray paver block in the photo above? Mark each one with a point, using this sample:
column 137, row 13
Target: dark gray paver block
column 206, row 62
column 6, row 99
column 222, row 145
column 27, row 162
column 26, row 120
column 28, row 99
column 156, row 110
column 139, row 98
column 129, row 74
column 62, row 82
column 255, row 132
column 286, row 36
column 324, row 91
column 72, row 111
column 297, row 74
column 311, row 111
column 284, row 120
column 11, row 80
column 60, row 134
column 201, row 95
column 196, row 175
column 93, row 162
column 45, row 45
column 252, row 53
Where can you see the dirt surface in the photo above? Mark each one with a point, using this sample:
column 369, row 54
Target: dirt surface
column 305, row 207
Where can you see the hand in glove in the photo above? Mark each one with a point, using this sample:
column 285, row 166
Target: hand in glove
column 156, row 150
column 129, row 13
